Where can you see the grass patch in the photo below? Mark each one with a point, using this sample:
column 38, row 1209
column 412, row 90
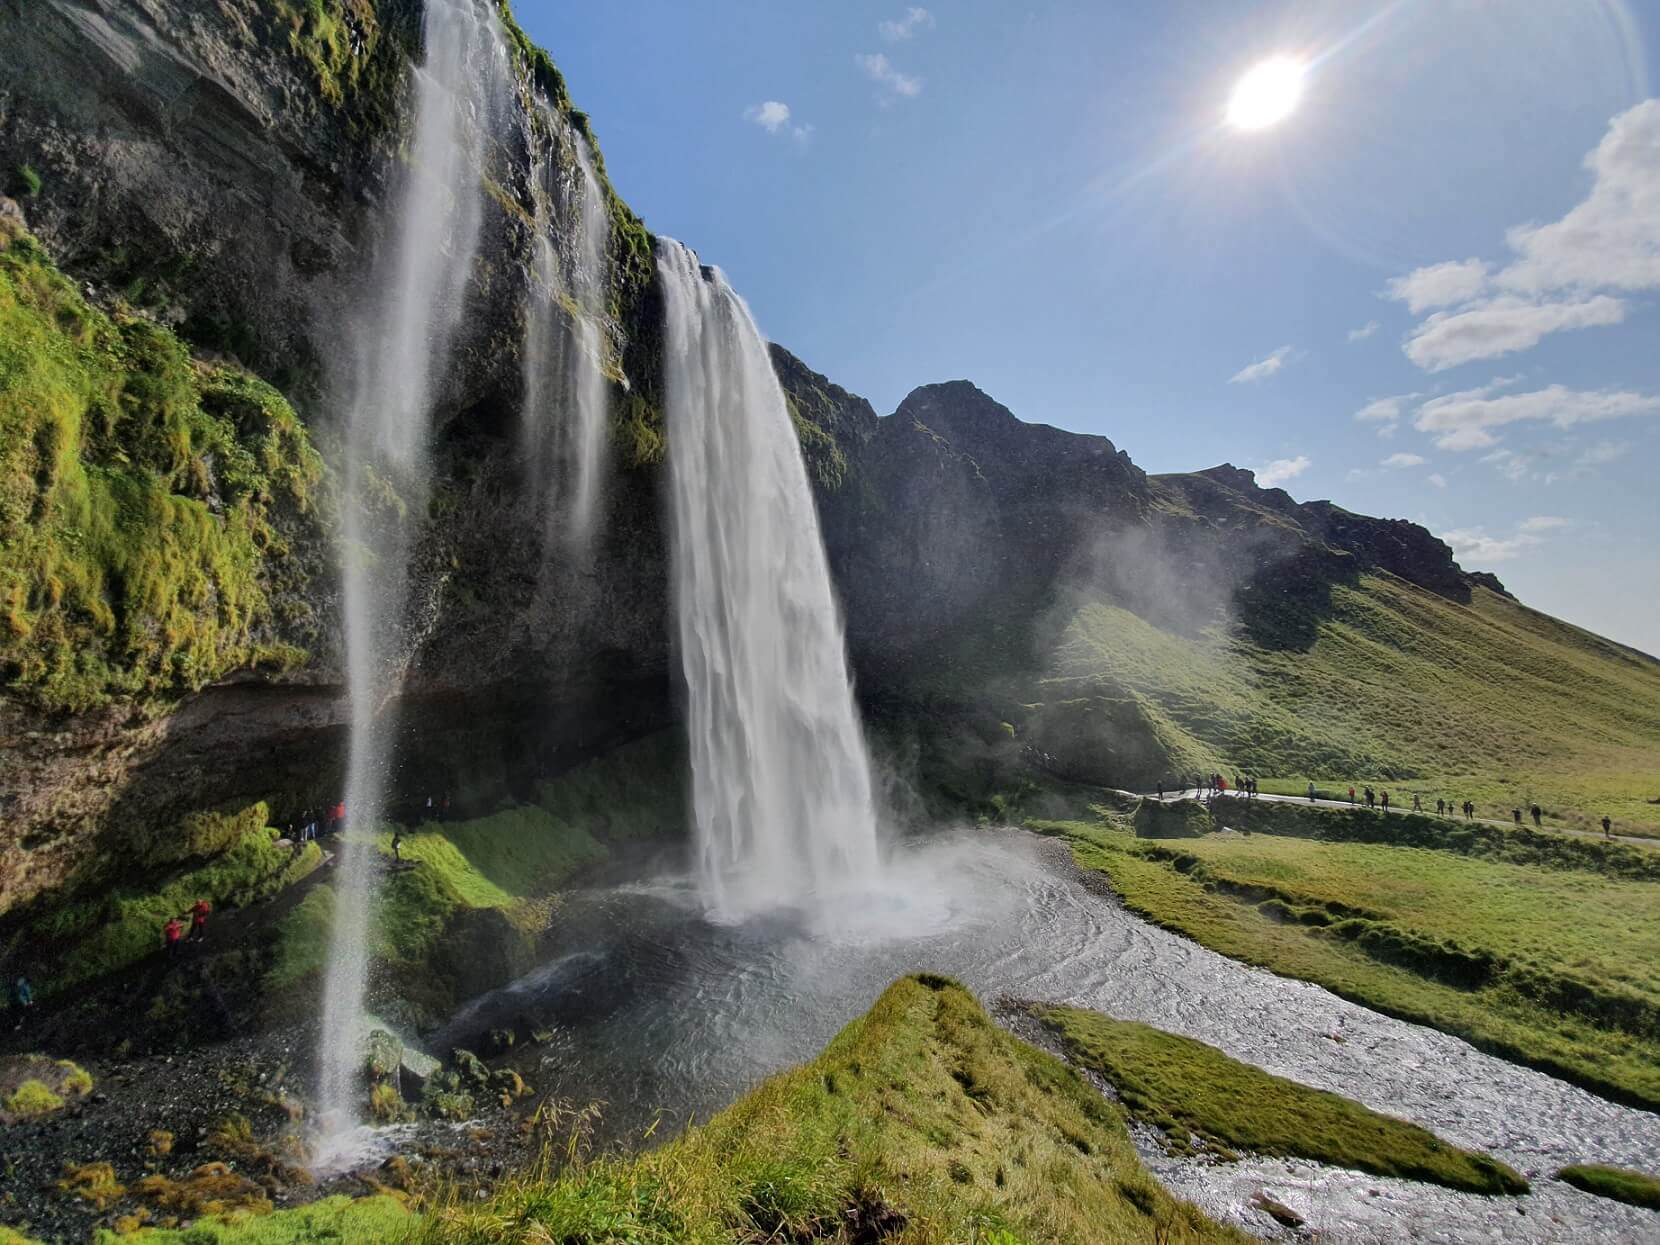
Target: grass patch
column 341, row 1219
column 149, row 504
column 1190, row 1090
column 32, row 1086
column 1549, row 967
column 1618, row 1183
column 1402, row 689
column 921, row 1122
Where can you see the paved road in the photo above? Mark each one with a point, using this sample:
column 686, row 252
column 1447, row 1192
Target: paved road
column 1191, row 793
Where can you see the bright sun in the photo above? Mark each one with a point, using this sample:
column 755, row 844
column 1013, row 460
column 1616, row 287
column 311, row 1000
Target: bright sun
column 1267, row 94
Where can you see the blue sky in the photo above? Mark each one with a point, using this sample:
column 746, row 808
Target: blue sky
column 1429, row 293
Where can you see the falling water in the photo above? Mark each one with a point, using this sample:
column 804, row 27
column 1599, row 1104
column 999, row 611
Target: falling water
column 781, row 789
column 417, row 299
column 565, row 411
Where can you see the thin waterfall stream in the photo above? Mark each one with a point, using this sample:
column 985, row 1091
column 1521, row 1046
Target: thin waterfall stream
column 417, row 293
column 565, row 417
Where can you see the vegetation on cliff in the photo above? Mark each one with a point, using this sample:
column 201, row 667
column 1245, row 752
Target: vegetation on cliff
column 1531, row 956
column 1619, row 1183
column 150, row 504
column 1200, row 1098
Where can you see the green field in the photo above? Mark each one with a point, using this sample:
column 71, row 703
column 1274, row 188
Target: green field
column 1553, row 966
column 1204, row 1101
column 1403, row 689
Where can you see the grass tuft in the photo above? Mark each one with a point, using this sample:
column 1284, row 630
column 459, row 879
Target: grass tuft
column 1191, row 1091
column 1619, row 1183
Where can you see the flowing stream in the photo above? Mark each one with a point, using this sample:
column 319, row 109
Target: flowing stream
column 663, row 1012
column 417, row 293
column 781, row 794
column 566, row 414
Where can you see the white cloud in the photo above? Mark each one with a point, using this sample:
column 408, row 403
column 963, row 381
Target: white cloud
column 1437, row 479
column 915, row 19
column 1562, row 272
column 1610, row 240
column 775, row 117
column 1385, row 412
column 771, row 116
column 1603, row 453
column 1280, row 470
column 1464, row 421
column 1544, row 523
column 1364, row 331
column 1262, row 369
column 893, row 83
column 1439, row 285
column 1474, row 545
column 1398, row 462
column 1503, row 325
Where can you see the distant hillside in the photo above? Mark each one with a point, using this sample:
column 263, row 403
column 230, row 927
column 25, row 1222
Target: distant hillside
column 1025, row 602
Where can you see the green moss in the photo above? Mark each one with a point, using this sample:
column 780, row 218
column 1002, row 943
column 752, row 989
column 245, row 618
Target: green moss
column 146, row 501
column 1190, row 1090
column 77, row 1081
column 1618, row 1183
column 26, row 181
column 33, row 1099
column 342, row 42
column 302, row 942
column 639, row 435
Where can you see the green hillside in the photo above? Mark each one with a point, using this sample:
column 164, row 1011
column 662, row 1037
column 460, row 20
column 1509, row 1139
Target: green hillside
column 1489, row 701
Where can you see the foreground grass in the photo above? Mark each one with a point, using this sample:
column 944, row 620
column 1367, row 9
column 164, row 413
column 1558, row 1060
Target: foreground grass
column 1618, row 1183
column 341, row 1219
column 1188, row 1089
column 1552, row 968
column 922, row 1122
column 1402, row 689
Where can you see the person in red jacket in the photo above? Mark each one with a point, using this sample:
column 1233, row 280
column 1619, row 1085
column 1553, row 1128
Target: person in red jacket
column 198, row 918
column 171, row 934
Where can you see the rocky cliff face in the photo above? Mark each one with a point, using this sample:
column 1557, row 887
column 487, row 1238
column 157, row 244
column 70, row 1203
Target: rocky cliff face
column 221, row 169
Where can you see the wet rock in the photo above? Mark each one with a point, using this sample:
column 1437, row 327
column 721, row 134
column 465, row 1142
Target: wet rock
column 384, row 1056
column 469, row 1068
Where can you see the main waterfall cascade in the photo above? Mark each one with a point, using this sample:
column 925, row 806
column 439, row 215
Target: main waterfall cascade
column 416, row 301
column 566, row 415
column 781, row 788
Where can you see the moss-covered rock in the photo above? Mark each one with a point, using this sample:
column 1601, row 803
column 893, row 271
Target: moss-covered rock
column 32, row 1086
column 148, row 502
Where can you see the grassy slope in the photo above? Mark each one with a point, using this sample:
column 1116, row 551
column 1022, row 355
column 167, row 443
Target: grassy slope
column 1489, row 701
column 1618, row 1183
column 922, row 1117
column 1506, row 956
column 1187, row 1088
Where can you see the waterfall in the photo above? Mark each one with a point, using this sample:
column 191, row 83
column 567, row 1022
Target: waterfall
column 566, row 416
column 781, row 788
column 415, row 304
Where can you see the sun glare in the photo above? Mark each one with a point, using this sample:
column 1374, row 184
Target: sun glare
column 1267, row 94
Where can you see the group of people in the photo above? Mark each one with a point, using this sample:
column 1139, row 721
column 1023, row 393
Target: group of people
column 1215, row 784
column 333, row 818
column 172, row 934
column 1210, row 785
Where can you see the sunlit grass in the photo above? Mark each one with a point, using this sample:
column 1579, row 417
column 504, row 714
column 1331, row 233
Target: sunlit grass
column 1188, row 1089
column 1555, row 968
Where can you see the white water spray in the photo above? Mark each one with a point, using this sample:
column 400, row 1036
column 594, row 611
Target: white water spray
column 781, row 789
column 418, row 293
column 566, row 415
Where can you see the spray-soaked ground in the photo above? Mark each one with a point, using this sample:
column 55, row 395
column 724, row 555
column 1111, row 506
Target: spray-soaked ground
column 664, row 1012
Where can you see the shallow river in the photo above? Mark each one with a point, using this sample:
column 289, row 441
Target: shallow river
column 665, row 1013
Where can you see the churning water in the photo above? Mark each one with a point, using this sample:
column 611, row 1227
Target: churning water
column 662, row 1012
column 416, row 301
column 781, row 791
column 566, row 417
